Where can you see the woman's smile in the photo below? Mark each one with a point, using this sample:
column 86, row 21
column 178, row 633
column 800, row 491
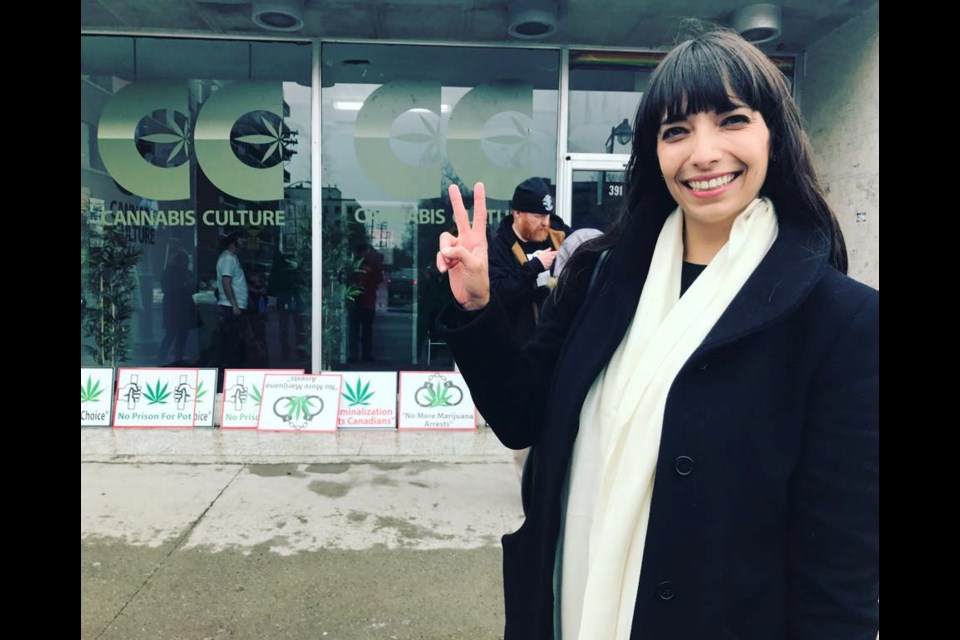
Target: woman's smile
column 708, row 187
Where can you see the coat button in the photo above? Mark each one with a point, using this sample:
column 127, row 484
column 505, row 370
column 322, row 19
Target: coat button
column 683, row 465
column 702, row 365
column 666, row 590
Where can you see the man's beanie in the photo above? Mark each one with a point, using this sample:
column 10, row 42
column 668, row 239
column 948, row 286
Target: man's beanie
column 533, row 195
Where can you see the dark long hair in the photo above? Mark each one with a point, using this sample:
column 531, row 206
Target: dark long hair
column 700, row 75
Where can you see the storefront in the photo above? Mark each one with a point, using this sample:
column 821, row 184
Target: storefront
column 333, row 159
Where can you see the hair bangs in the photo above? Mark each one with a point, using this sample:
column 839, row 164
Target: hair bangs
column 703, row 77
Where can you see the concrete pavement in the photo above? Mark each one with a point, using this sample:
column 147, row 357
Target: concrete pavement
column 359, row 535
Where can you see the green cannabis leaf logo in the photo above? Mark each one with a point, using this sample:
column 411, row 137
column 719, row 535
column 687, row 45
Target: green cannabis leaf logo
column 157, row 394
column 437, row 395
column 255, row 394
column 442, row 393
column 92, row 392
column 298, row 407
column 200, row 390
column 358, row 395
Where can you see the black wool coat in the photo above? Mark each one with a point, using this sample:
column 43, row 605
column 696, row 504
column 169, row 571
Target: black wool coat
column 764, row 523
column 515, row 282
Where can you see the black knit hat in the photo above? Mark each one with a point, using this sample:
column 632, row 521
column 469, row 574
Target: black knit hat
column 533, row 195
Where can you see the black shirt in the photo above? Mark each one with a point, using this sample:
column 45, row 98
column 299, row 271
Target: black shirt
column 689, row 274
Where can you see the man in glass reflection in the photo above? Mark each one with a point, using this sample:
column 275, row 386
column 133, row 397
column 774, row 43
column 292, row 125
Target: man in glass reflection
column 364, row 307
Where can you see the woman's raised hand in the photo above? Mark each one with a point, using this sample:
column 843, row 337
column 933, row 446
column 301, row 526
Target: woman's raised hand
column 464, row 256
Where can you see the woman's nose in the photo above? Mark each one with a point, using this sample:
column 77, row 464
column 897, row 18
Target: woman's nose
column 706, row 149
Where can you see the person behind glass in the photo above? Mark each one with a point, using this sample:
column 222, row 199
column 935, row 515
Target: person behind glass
column 364, row 309
column 256, row 351
column 288, row 285
column 705, row 417
column 233, row 297
column 179, row 310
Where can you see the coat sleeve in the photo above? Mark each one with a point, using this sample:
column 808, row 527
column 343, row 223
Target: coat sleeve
column 510, row 384
column 834, row 536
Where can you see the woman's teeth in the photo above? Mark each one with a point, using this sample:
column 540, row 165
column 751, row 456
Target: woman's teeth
column 707, row 185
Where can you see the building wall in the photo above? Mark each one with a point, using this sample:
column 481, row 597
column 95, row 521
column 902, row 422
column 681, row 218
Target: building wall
column 840, row 101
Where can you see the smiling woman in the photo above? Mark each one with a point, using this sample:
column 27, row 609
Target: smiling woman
column 704, row 405
column 713, row 165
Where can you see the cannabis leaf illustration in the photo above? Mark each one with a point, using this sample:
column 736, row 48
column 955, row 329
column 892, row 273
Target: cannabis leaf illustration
column 92, row 392
column 170, row 135
column 255, row 394
column 157, row 394
column 298, row 406
column 358, row 395
column 200, row 390
column 521, row 138
column 432, row 140
column 437, row 395
column 272, row 138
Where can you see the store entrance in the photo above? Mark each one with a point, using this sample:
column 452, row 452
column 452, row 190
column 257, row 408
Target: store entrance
column 591, row 189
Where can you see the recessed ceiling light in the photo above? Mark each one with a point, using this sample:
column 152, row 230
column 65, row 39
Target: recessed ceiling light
column 278, row 15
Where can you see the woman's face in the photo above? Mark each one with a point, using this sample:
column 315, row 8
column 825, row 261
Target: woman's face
column 714, row 163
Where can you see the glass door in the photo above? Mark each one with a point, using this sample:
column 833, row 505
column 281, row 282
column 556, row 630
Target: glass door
column 591, row 189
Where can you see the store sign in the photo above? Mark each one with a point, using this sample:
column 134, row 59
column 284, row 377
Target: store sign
column 163, row 397
column 368, row 400
column 466, row 148
column 96, row 393
column 300, row 402
column 435, row 400
column 210, row 139
column 472, row 151
column 242, row 396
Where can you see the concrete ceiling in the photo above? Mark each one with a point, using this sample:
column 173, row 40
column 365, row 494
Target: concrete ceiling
column 609, row 23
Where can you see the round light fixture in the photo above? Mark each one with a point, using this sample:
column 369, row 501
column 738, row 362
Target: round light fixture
column 532, row 19
column 758, row 23
column 278, row 15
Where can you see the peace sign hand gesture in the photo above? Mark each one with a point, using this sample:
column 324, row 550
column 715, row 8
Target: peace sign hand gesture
column 464, row 256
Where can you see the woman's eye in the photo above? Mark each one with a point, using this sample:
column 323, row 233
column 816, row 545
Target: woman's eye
column 672, row 132
column 737, row 118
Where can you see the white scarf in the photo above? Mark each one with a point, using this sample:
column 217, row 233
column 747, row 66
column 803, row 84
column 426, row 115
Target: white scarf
column 615, row 454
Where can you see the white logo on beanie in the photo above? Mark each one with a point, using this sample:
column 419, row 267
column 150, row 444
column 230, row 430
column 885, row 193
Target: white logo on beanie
column 548, row 202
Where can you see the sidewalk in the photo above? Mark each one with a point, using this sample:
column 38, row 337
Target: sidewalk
column 356, row 535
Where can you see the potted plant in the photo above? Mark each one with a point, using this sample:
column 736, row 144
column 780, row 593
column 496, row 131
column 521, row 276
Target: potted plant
column 108, row 263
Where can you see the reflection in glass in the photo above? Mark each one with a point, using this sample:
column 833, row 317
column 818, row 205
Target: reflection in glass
column 161, row 116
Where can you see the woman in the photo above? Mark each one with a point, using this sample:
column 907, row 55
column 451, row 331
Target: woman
column 705, row 415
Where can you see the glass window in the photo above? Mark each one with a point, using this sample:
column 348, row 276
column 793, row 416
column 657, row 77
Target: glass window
column 195, row 154
column 400, row 124
column 605, row 89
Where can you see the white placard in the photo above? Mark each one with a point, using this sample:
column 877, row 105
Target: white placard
column 435, row 400
column 96, row 392
column 206, row 393
column 368, row 400
column 300, row 402
column 150, row 398
column 241, row 396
